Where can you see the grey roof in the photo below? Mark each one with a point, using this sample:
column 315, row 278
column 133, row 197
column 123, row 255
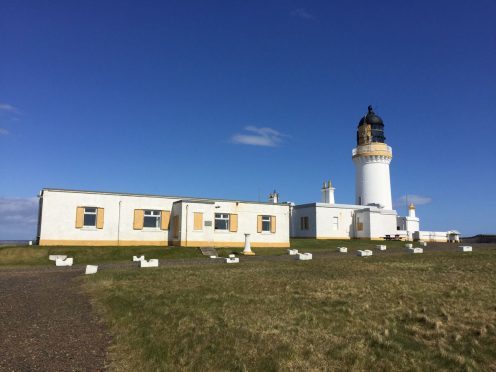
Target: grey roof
column 183, row 198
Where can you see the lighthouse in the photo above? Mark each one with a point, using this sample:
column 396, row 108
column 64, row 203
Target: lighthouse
column 372, row 157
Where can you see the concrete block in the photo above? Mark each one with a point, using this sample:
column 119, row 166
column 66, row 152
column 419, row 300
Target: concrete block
column 415, row 250
column 150, row 263
column 292, row 252
column 408, row 245
column 364, row 253
column 304, row 256
column 91, row 269
column 231, row 260
column 381, row 247
column 343, row 249
column 138, row 259
column 465, row 248
column 67, row 262
column 54, row 257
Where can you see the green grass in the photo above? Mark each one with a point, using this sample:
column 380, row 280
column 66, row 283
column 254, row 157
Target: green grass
column 28, row 256
column 434, row 311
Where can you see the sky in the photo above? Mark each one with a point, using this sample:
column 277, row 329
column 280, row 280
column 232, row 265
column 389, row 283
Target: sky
column 233, row 99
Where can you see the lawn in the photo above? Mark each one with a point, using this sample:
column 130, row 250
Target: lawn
column 34, row 255
column 434, row 311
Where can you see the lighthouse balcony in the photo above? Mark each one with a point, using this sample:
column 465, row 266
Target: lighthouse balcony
column 379, row 149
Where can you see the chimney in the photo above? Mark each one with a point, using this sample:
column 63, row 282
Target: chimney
column 327, row 193
column 411, row 210
column 274, row 197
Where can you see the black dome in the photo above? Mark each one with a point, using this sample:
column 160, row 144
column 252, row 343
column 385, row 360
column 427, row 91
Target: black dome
column 371, row 118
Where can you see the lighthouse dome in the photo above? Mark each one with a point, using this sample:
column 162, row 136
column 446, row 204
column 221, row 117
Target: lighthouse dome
column 371, row 118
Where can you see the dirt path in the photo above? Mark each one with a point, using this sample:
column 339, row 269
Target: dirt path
column 47, row 323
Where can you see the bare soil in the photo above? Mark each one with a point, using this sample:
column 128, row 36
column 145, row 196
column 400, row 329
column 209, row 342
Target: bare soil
column 47, row 323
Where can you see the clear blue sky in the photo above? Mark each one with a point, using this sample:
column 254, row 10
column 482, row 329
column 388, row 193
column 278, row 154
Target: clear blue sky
column 173, row 97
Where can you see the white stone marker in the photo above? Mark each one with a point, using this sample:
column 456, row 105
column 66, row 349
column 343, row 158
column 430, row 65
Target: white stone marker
column 54, row 257
column 415, row 250
column 381, row 247
column 150, row 263
column 91, row 269
column 213, row 256
column 364, row 253
column 292, row 252
column 247, row 251
column 67, row 262
column 408, row 245
column 423, row 244
column 343, row 249
column 138, row 259
column 465, row 248
column 231, row 260
column 304, row 256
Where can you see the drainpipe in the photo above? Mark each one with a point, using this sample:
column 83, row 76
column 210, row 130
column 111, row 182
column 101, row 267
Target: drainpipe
column 186, row 225
column 119, row 225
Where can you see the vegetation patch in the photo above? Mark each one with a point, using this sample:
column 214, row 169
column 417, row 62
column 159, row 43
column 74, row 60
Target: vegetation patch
column 434, row 311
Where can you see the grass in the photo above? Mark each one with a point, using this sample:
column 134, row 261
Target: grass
column 34, row 255
column 434, row 311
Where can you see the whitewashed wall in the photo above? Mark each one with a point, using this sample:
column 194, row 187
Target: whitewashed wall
column 58, row 218
column 304, row 211
column 247, row 223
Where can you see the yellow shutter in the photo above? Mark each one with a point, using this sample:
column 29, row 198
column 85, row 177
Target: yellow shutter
column 176, row 227
column 233, row 223
column 79, row 217
column 165, row 220
column 272, row 224
column 259, row 224
column 139, row 215
column 99, row 218
column 198, row 221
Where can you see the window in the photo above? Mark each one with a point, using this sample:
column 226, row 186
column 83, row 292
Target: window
column 89, row 219
column 304, row 223
column 266, row 223
column 335, row 223
column 151, row 219
column 222, row 221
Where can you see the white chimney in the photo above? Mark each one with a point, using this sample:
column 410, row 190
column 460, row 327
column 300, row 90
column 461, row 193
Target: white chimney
column 274, row 197
column 328, row 193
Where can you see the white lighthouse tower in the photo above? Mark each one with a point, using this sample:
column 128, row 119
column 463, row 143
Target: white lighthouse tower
column 372, row 158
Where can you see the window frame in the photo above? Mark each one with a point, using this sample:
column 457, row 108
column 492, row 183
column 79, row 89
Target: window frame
column 222, row 217
column 335, row 223
column 268, row 220
column 152, row 213
column 87, row 213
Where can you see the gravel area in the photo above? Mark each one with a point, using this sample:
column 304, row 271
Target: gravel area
column 47, row 323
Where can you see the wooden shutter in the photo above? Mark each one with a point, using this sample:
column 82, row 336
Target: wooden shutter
column 272, row 224
column 139, row 215
column 198, row 221
column 99, row 218
column 259, row 223
column 165, row 220
column 233, row 222
column 176, row 227
column 79, row 217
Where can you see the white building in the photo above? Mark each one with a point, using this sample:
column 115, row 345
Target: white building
column 69, row 217
column 372, row 216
